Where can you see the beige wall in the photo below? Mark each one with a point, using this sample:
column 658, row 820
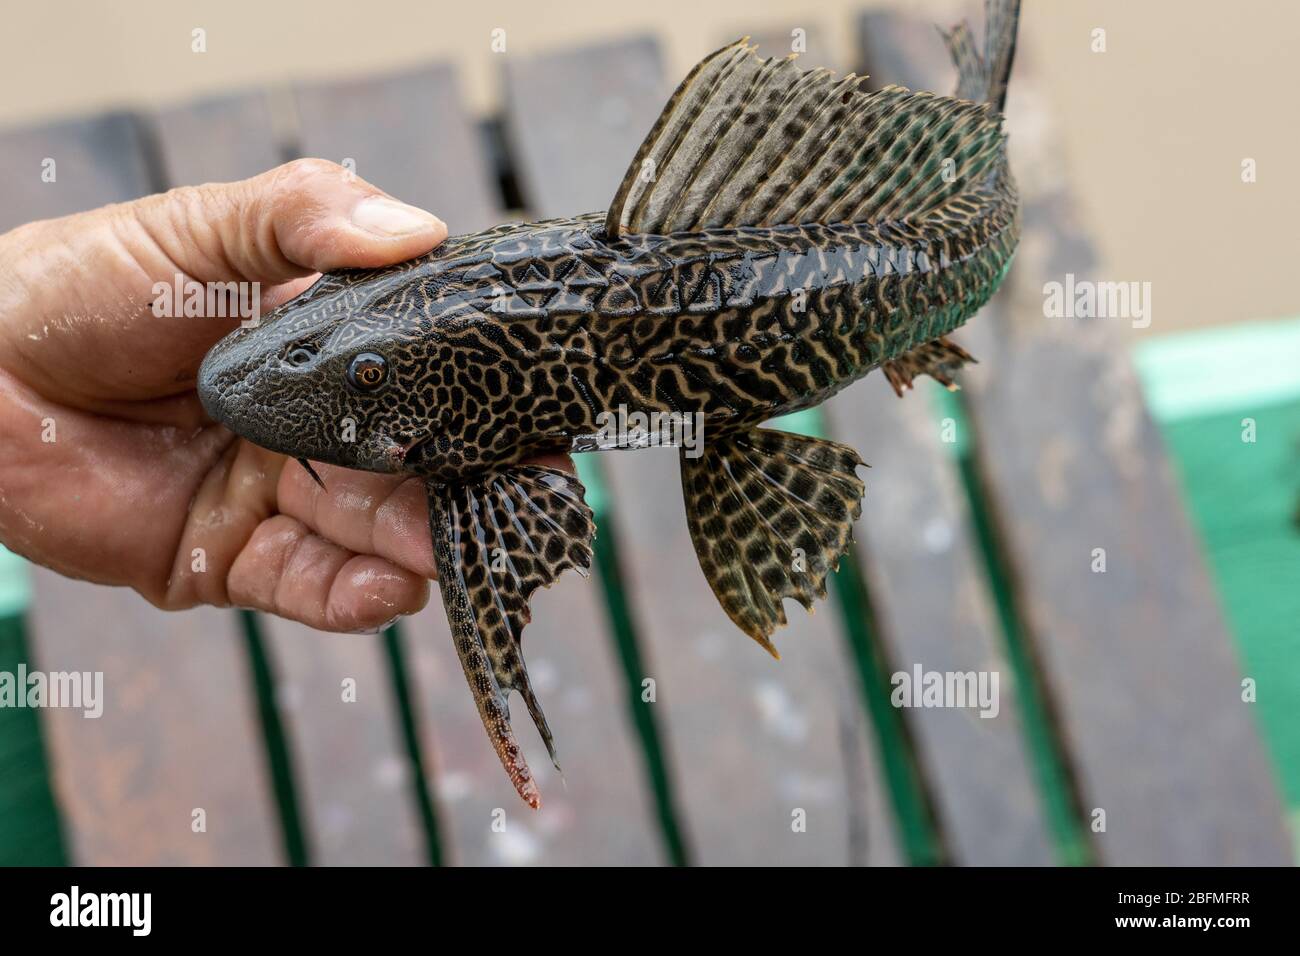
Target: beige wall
column 1156, row 127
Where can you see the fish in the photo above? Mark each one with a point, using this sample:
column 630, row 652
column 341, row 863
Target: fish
column 778, row 235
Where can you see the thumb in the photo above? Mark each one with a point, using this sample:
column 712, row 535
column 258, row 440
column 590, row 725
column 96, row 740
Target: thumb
column 306, row 216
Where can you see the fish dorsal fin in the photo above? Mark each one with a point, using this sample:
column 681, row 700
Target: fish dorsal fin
column 746, row 141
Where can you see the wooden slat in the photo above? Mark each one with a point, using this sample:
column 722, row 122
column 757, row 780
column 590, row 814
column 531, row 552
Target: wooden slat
column 216, row 140
column 754, row 740
column 97, row 160
column 575, row 118
column 178, row 730
column 916, row 546
column 407, row 134
column 600, row 812
column 1137, row 660
column 931, row 602
column 352, row 769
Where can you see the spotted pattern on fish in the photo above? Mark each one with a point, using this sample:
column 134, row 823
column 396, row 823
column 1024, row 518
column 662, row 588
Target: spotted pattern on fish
column 551, row 325
column 778, row 235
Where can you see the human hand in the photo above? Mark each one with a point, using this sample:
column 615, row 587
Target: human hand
column 109, row 468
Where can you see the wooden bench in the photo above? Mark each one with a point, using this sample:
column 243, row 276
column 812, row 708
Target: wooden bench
column 1119, row 690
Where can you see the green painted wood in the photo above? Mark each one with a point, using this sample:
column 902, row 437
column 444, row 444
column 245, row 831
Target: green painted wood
column 178, row 731
column 15, row 589
column 1246, row 503
column 752, row 741
column 30, row 828
column 279, row 760
column 1242, row 365
column 1140, row 669
column 1244, row 498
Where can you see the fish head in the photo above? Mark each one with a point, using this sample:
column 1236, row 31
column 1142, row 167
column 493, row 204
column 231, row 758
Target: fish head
column 366, row 369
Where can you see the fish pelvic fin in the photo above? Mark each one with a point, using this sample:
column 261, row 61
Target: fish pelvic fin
column 940, row 358
column 495, row 541
column 770, row 514
column 747, row 141
column 983, row 76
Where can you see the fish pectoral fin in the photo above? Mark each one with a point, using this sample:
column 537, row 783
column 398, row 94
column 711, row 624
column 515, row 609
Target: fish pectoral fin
column 940, row 359
column 747, row 141
column 770, row 514
column 495, row 541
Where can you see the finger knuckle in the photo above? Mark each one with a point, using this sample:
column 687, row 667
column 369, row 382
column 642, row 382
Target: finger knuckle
column 304, row 174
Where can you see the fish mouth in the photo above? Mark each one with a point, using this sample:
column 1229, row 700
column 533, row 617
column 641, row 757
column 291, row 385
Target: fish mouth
column 399, row 453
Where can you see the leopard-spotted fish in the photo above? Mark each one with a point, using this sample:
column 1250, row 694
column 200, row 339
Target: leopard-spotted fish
column 778, row 235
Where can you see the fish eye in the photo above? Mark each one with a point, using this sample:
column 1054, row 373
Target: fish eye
column 300, row 355
column 367, row 371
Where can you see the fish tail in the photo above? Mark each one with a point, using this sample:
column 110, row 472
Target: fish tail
column 983, row 76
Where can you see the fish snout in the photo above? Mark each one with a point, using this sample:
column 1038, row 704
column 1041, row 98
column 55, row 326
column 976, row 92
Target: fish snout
column 229, row 379
column 216, row 379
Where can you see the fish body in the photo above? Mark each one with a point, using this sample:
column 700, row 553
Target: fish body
column 779, row 235
column 552, row 326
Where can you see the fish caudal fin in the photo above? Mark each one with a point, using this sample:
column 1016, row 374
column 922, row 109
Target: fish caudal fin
column 495, row 542
column 939, row 358
column 983, row 77
column 770, row 514
column 746, row 141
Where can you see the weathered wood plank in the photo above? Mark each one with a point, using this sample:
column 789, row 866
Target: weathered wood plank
column 216, row 140
column 178, row 733
column 353, row 772
column 1137, row 659
column 178, row 730
column 916, row 546
column 599, row 812
column 574, row 120
column 932, row 604
column 407, row 134
column 754, row 741
column 95, row 161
